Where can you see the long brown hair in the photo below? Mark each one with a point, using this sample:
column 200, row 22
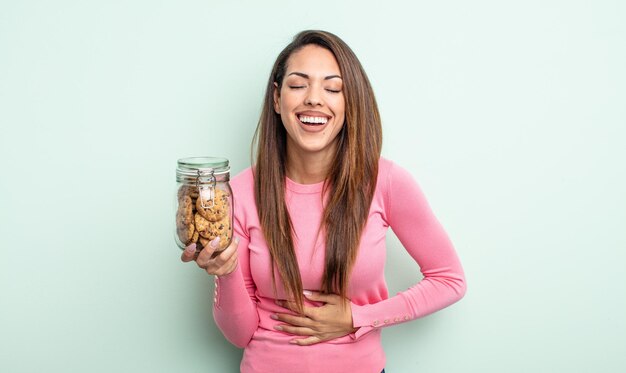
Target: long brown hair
column 350, row 181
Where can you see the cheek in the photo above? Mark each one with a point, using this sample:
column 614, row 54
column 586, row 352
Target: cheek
column 334, row 134
column 284, row 120
column 341, row 117
column 287, row 121
column 340, row 107
column 339, row 128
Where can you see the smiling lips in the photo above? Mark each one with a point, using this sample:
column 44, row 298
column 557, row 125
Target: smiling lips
column 313, row 118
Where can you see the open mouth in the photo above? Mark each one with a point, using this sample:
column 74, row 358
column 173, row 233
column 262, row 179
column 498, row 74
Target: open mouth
column 312, row 120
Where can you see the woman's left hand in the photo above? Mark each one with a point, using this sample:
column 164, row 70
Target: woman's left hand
column 317, row 324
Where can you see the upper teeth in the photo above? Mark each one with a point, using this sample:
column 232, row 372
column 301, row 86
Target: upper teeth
column 305, row 119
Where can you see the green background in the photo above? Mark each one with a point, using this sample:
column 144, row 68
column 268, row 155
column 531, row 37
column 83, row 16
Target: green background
column 511, row 116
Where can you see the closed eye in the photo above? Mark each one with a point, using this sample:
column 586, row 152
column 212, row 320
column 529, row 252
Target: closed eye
column 296, row 86
column 333, row 90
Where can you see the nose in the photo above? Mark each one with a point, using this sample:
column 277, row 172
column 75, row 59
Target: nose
column 313, row 97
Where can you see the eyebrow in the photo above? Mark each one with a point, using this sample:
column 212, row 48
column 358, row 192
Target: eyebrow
column 305, row 76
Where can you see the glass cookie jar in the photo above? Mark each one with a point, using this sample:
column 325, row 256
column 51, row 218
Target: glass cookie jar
column 204, row 202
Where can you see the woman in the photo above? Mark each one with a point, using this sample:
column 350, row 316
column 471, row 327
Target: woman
column 302, row 286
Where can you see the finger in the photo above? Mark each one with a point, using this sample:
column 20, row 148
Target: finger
column 189, row 253
column 320, row 297
column 311, row 312
column 207, row 251
column 231, row 267
column 229, row 251
column 292, row 319
column 227, row 267
column 225, row 262
column 296, row 330
column 306, row 341
column 226, row 253
column 223, row 259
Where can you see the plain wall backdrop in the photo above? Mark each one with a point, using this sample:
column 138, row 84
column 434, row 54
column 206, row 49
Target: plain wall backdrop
column 510, row 114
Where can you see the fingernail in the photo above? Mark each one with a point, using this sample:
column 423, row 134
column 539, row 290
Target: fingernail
column 278, row 327
column 236, row 240
column 293, row 342
column 215, row 242
column 307, row 293
column 273, row 317
column 191, row 248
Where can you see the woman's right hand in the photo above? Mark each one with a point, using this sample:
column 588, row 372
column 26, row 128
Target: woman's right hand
column 222, row 264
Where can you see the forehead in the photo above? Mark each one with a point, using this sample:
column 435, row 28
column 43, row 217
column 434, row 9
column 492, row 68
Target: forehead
column 313, row 60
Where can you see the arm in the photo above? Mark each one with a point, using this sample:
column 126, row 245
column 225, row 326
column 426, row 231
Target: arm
column 234, row 307
column 412, row 220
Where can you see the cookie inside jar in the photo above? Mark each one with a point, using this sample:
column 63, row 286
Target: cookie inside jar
column 204, row 203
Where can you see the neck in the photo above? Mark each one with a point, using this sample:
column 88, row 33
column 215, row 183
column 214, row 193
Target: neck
column 308, row 168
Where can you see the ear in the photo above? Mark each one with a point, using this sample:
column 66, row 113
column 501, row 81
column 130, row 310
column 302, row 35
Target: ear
column 276, row 99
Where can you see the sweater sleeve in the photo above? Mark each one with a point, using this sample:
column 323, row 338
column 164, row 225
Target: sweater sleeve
column 412, row 220
column 235, row 306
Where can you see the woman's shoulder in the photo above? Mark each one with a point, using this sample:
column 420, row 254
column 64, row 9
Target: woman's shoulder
column 243, row 182
column 385, row 164
column 385, row 169
column 391, row 173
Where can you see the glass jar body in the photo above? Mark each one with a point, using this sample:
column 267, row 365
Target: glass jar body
column 204, row 204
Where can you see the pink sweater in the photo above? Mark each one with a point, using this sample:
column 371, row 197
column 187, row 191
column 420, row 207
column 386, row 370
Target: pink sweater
column 245, row 298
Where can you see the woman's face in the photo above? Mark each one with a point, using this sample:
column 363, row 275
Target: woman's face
column 311, row 103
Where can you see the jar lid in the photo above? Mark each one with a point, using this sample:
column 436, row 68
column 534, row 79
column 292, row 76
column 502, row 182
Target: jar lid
column 194, row 166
